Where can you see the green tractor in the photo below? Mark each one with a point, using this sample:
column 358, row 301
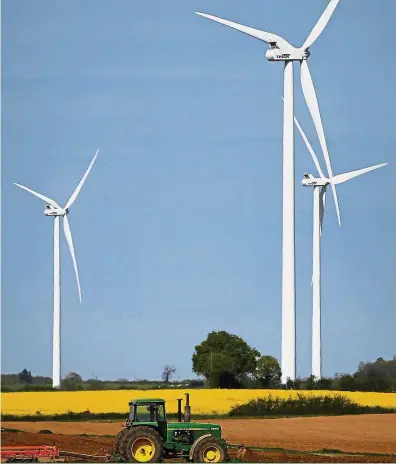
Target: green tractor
column 149, row 437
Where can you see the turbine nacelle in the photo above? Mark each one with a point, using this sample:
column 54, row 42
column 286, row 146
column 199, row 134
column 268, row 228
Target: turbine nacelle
column 51, row 210
column 276, row 53
column 310, row 181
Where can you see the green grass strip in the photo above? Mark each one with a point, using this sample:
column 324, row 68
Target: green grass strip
column 111, row 416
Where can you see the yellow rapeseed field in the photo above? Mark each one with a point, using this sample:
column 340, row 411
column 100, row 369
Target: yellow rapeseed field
column 205, row 401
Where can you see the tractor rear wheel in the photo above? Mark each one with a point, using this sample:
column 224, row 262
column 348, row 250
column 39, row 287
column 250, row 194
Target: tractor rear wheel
column 117, row 442
column 142, row 444
column 209, row 450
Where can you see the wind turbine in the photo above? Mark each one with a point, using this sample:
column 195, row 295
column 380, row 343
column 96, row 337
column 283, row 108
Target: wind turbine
column 54, row 210
column 320, row 185
column 281, row 50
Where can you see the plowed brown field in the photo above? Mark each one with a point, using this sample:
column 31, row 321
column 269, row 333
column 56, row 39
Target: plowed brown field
column 359, row 434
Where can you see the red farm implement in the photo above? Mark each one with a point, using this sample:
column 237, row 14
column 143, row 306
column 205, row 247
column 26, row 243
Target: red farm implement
column 29, row 453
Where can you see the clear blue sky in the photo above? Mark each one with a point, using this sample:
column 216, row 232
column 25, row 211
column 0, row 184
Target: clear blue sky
column 178, row 229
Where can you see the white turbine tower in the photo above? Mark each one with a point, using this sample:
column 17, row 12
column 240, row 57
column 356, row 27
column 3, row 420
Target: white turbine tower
column 319, row 198
column 53, row 209
column 281, row 50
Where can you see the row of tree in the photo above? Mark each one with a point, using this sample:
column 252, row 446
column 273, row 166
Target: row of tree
column 225, row 360
column 24, row 380
column 25, row 377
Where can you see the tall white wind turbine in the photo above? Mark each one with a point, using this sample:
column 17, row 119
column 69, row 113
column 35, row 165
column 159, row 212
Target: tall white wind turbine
column 53, row 209
column 319, row 185
column 281, row 50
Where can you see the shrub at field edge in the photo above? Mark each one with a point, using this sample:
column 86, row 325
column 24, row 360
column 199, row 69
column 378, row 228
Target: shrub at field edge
column 303, row 406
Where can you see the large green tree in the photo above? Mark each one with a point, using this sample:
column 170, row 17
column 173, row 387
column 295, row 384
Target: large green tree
column 223, row 359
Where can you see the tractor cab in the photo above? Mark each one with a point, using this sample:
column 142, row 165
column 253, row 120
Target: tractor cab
column 147, row 411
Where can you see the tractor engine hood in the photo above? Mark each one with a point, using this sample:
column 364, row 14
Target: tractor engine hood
column 193, row 426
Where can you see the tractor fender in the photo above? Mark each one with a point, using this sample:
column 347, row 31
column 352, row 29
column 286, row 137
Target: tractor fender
column 198, row 440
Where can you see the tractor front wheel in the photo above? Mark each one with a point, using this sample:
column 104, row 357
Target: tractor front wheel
column 142, row 444
column 209, row 450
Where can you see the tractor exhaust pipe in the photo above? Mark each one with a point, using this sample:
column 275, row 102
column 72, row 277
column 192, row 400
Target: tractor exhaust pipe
column 179, row 409
column 187, row 409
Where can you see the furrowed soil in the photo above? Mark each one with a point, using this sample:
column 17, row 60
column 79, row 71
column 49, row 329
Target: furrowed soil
column 351, row 434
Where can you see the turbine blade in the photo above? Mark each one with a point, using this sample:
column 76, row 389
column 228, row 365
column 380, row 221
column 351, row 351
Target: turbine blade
column 39, row 195
column 340, row 178
column 312, row 103
column 322, row 206
column 321, row 24
column 72, row 199
column 66, row 229
column 256, row 33
column 310, row 149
